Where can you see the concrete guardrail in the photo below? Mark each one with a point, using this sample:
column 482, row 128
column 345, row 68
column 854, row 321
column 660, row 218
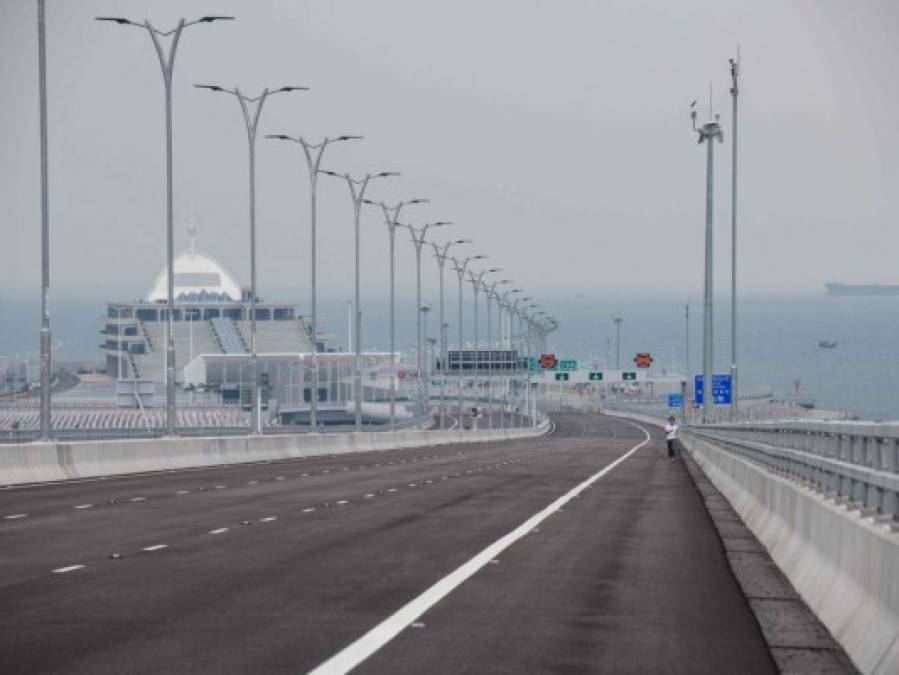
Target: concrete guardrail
column 58, row 461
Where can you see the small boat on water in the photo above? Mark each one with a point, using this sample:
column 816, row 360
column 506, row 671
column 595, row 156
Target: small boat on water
column 827, row 344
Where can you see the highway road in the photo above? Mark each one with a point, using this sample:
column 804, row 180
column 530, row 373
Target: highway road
column 582, row 551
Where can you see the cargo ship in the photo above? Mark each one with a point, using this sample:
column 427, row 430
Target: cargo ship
column 834, row 288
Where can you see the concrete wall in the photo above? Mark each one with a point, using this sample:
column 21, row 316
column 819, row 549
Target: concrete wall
column 845, row 566
column 43, row 462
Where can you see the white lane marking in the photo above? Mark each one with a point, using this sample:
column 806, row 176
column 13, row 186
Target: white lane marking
column 355, row 653
column 182, row 492
column 253, row 482
column 221, row 530
column 138, row 499
column 70, row 568
column 279, row 477
column 268, row 519
column 304, row 475
column 369, row 495
column 392, row 490
column 309, row 510
column 84, row 506
column 16, row 516
column 155, row 547
column 220, row 487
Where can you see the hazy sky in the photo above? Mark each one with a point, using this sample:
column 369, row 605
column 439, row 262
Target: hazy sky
column 554, row 134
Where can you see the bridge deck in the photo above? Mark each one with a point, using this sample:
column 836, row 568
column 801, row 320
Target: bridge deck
column 628, row 577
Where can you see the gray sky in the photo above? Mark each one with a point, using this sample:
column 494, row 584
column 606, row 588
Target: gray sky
column 554, row 134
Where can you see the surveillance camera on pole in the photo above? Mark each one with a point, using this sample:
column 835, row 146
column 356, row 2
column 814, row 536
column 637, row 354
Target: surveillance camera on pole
column 708, row 133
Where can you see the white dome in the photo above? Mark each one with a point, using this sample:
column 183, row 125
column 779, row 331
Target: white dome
column 197, row 279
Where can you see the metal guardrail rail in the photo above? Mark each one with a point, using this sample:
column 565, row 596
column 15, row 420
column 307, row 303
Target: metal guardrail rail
column 857, row 463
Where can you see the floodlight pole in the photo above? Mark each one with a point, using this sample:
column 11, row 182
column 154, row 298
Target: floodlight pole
column 357, row 189
column 251, row 120
column 313, row 154
column 391, row 219
column 734, row 91
column 708, row 132
column 45, row 335
column 167, row 63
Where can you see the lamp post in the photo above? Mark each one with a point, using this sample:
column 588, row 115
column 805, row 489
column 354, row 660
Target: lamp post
column 167, row 63
column 617, row 320
column 491, row 295
column 734, row 92
column 477, row 283
column 418, row 241
column 357, row 189
column 251, row 121
column 505, row 305
column 521, row 334
column 313, row 153
column 423, row 311
column 441, row 252
column 391, row 218
column 45, row 334
column 708, row 132
column 460, row 266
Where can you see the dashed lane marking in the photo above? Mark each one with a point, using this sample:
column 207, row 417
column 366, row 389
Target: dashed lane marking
column 220, row 530
column 84, row 506
column 268, row 519
column 155, row 547
column 309, row 510
column 70, row 568
column 16, row 516
column 358, row 651
column 138, row 499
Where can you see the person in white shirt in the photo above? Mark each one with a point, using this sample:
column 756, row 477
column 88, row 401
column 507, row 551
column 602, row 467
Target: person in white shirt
column 671, row 437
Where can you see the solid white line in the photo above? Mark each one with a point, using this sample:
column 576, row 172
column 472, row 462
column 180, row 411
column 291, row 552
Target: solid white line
column 70, row 568
column 355, row 653
column 221, row 530
column 155, row 547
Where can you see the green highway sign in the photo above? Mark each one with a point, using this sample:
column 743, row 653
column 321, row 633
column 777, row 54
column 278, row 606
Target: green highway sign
column 595, row 376
column 562, row 377
column 629, row 376
column 533, row 364
column 567, row 365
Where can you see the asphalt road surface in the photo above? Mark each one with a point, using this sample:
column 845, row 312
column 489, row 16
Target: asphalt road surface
column 570, row 553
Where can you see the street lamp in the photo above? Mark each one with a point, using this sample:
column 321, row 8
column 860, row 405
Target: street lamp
column 391, row 218
column 418, row 240
column 167, row 63
column 441, row 252
column 617, row 320
column 460, row 266
column 251, row 120
column 357, row 189
column 313, row 154
column 492, row 294
column 477, row 283
column 708, row 132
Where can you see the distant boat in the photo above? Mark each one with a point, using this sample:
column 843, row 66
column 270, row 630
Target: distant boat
column 827, row 344
column 862, row 289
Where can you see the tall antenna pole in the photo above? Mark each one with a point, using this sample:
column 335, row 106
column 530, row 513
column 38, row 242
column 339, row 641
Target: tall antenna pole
column 45, row 230
column 734, row 91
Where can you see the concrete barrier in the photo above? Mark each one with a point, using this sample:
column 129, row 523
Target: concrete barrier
column 57, row 461
column 845, row 566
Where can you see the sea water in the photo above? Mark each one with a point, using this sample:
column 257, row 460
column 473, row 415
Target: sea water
column 778, row 337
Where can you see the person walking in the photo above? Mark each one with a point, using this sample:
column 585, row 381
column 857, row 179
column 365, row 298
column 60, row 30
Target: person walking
column 671, row 437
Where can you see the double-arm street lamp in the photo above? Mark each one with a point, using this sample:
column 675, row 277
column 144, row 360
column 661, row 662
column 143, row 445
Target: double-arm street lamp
column 418, row 240
column 357, row 189
column 492, row 295
column 251, row 121
column 477, row 283
column 313, row 153
column 391, row 218
column 441, row 252
column 708, row 133
column 461, row 266
column 167, row 63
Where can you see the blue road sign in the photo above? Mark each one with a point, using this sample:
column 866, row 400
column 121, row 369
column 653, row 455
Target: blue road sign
column 675, row 400
column 721, row 389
